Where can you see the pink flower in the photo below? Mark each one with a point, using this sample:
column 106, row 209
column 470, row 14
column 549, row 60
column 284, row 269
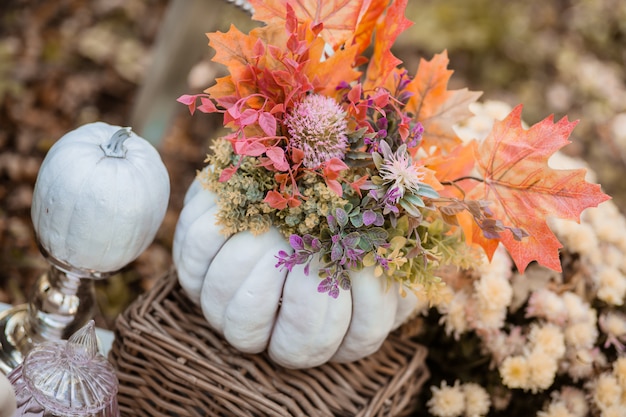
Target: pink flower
column 317, row 126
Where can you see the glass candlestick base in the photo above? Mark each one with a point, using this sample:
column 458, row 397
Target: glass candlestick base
column 62, row 302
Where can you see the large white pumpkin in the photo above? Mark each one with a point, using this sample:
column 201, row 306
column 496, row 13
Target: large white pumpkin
column 100, row 197
column 256, row 306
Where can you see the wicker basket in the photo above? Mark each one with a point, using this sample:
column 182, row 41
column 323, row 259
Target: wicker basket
column 171, row 363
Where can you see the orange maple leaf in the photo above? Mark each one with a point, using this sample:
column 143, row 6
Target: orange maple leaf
column 370, row 14
column 437, row 108
column 332, row 71
column 524, row 190
column 383, row 62
column 339, row 17
column 234, row 49
column 451, row 167
column 237, row 51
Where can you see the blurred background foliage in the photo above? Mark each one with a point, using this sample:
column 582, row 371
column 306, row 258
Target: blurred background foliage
column 70, row 62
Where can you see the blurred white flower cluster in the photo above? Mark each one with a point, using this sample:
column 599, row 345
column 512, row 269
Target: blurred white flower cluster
column 561, row 335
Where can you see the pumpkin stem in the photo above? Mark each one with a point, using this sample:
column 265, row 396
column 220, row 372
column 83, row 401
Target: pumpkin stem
column 115, row 148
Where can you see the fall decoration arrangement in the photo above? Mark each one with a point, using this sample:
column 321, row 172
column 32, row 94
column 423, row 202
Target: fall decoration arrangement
column 357, row 162
column 358, row 179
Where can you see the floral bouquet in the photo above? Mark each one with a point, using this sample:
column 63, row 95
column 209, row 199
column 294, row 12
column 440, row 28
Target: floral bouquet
column 358, row 162
column 360, row 165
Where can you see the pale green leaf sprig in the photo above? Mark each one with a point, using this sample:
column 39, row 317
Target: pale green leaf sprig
column 310, row 216
column 416, row 253
column 240, row 199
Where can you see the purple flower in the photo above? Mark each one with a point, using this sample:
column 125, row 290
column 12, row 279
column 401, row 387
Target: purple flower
column 351, row 257
column 285, row 260
column 415, row 135
column 390, row 199
column 382, row 261
column 288, row 261
column 372, row 143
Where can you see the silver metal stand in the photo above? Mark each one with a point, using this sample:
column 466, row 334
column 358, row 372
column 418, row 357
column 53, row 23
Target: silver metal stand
column 62, row 302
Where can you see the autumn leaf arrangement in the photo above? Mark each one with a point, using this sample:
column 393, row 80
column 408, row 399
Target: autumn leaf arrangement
column 358, row 162
column 518, row 266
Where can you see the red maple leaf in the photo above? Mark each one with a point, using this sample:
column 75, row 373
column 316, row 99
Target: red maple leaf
column 524, row 190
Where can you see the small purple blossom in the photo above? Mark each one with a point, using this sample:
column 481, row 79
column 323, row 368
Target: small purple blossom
column 390, row 200
column 404, row 80
column 285, row 260
column 351, row 257
column 387, row 199
column 415, row 135
column 343, row 85
column 382, row 261
column 304, row 249
column 372, row 143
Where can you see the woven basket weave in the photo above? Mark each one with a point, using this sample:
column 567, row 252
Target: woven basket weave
column 171, row 363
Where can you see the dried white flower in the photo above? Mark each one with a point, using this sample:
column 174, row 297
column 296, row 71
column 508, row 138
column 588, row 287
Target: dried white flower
column 612, row 256
column 555, row 409
column 612, row 286
column 577, row 309
column 575, row 400
column 502, row 345
column 619, row 370
column 455, row 314
column 607, row 222
column 606, row 391
column 543, row 368
column 579, row 363
column 616, row 410
column 493, row 292
column 447, row 401
column 613, row 324
column 546, row 304
column 477, row 400
column 581, row 335
column 488, row 318
column 576, row 237
column 548, row 338
column 515, row 372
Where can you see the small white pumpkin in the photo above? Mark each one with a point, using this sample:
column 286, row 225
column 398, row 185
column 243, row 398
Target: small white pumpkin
column 258, row 307
column 100, row 197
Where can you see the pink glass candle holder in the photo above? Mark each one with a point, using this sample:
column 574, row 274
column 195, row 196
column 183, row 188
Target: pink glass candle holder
column 68, row 378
